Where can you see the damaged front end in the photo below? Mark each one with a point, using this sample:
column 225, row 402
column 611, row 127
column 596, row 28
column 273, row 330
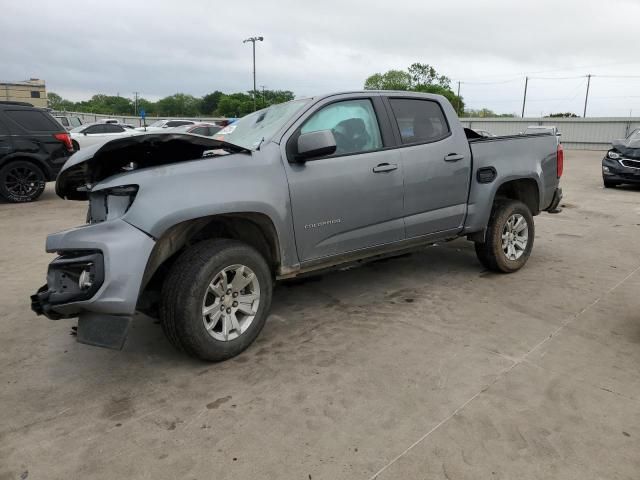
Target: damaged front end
column 621, row 164
column 98, row 271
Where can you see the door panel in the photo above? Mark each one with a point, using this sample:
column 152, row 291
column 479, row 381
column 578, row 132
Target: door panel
column 340, row 203
column 436, row 161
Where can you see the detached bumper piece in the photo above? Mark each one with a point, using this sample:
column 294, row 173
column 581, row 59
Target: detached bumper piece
column 71, row 277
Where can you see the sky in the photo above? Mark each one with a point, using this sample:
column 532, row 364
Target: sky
column 84, row 47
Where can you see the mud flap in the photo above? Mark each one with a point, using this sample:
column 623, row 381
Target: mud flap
column 109, row 331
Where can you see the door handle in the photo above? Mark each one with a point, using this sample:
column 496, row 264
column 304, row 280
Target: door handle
column 453, row 157
column 385, row 167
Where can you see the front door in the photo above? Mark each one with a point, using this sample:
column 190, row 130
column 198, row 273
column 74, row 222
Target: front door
column 436, row 161
column 351, row 199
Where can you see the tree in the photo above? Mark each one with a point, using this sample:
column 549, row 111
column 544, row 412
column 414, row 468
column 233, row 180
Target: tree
column 56, row 102
column 562, row 115
column 486, row 113
column 180, row 104
column 419, row 77
column 210, row 102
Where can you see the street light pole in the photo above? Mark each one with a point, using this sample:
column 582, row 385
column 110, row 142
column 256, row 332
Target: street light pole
column 253, row 41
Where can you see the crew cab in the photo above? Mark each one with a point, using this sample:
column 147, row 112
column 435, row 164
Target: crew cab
column 196, row 230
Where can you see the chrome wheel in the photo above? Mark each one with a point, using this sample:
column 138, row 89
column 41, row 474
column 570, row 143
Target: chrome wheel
column 515, row 236
column 231, row 302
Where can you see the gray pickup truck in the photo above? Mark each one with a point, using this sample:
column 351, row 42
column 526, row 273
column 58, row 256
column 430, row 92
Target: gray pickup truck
column 196, row 231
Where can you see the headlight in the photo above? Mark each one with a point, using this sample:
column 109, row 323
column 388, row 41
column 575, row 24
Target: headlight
column 110, row 203
column 613, row 155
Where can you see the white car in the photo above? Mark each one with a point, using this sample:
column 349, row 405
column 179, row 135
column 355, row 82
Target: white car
column 92, row 133
column 161, row 125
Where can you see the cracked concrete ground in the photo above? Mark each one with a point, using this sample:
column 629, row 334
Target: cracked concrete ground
column 423, row 366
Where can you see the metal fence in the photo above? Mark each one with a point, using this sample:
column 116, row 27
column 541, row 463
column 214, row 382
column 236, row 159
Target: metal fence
column 577, row 133
column 131, row 120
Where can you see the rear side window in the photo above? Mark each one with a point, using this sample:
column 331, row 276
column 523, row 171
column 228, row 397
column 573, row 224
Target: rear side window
column 200, row 131
column 95, row 129
column 63, row 121
column 419, row 121
column 111, row 128
column 33, row 120
column 75, row 121
column 177, row 123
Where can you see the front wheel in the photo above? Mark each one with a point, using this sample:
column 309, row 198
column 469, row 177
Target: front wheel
column 509, row 238
column 216, row 299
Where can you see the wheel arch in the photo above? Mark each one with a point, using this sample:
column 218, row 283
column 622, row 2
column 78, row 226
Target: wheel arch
column 25, row 157
column 255, row 229
column 525, row 190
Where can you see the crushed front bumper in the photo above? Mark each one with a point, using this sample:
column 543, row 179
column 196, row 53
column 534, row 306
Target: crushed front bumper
column 113, row 256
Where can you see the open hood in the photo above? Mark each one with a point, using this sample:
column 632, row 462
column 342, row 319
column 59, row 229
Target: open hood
column 91, row 165
column 629, row 147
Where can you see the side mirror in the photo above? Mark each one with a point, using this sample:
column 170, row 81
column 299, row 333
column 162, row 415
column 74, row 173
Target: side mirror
column 315, row 144
column 84, row 133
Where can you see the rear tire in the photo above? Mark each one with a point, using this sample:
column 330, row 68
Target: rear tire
column 21, row 181
column 202, row 312
column 509, row 238
column 609, row 183
column 76, row 145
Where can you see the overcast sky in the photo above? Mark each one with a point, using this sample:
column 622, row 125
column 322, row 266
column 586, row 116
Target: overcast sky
column 83, row 47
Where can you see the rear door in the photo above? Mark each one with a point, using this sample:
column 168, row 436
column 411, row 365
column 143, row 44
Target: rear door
column 5, row 140
column 436, row 161
column 351, row 199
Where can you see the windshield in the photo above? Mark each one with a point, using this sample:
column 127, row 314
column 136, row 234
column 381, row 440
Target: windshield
column 158, row 123
column 635, row 135
column 250, row 130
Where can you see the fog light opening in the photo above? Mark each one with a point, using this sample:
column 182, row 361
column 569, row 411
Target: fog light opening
column 84, row 281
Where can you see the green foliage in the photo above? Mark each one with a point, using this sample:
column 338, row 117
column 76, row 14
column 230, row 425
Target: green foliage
column 485, row 112
column 179, row 105
column 419, row 77
column 562, row 115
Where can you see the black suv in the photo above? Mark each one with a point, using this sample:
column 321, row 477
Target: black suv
column 33, row 148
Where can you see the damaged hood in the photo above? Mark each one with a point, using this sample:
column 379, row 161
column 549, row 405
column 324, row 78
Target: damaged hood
column 629, row 147
column 95, row 163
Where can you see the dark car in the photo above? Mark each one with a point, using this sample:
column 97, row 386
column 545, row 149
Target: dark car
column 621, row 164
column 33, row 148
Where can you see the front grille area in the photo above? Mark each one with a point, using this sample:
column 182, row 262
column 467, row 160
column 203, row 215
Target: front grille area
column 630, row 163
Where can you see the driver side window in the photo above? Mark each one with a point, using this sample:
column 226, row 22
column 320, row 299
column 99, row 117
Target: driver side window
column 353, row 123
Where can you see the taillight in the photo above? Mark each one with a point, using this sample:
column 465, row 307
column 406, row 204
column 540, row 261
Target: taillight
column 66, row 139
column 560, row 164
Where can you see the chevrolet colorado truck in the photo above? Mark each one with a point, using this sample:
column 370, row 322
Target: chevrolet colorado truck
column 196, row 231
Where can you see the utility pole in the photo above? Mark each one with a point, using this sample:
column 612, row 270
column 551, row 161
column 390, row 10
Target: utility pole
column 524, row 100
column 459, row 112
column 135, row 102
column 586, row 97
column 253, row 41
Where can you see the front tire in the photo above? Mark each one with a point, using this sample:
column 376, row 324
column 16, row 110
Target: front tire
column 609, row 183
column 216, row 299
column 21, row 181
column 509, row 238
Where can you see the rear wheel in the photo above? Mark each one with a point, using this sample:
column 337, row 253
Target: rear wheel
column 509, row 238
column 609, row 183
column 21, row 181
column 216, row 299
column 76, row 146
